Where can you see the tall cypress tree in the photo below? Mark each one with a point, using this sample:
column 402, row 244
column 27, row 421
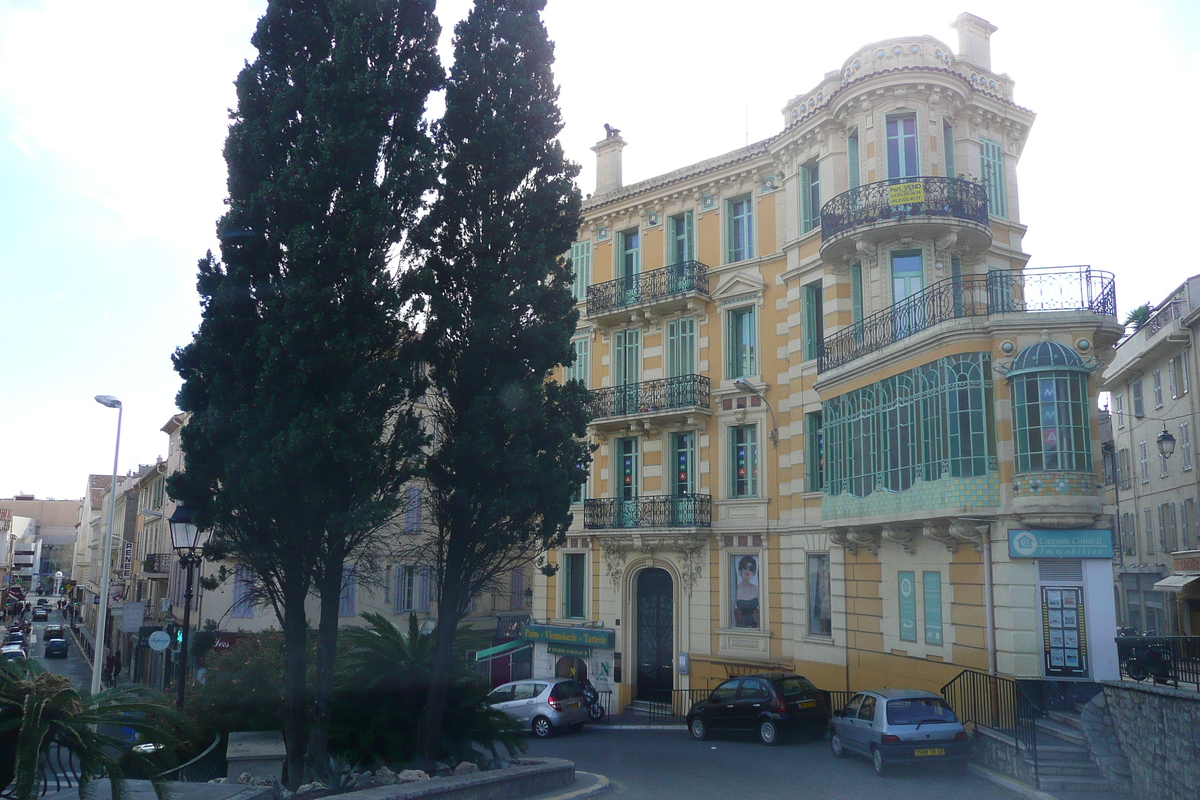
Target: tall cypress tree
column 299, row 380
column 500, row 320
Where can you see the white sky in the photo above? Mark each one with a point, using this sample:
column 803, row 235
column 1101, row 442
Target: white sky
column 113, row 116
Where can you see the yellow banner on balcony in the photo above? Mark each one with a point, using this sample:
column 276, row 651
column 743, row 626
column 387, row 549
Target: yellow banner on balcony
column 902, row 194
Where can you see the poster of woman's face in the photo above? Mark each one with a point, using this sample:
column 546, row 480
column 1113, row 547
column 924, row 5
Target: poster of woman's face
column 745, row 591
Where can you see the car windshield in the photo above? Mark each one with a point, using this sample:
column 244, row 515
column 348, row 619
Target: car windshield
column 917, row 710
column 791, row 687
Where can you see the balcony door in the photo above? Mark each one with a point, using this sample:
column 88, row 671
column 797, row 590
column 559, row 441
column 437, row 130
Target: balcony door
column 907, row 282
column 683, row 480
column 627, row 482
column 903, row 161
column 626, row 366
column 631, row 264
column 681, row 244
column 681, row 362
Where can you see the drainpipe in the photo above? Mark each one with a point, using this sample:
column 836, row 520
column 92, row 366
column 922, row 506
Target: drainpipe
column 988, row 602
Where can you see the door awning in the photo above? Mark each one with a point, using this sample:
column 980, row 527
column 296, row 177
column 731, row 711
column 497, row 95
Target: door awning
column 502, row 649
column 1175, row 583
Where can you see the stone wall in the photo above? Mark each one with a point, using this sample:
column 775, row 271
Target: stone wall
column 1156, row 727
column 1001, row 753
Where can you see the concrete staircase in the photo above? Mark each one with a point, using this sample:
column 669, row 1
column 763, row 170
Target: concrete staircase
column 1063, row 761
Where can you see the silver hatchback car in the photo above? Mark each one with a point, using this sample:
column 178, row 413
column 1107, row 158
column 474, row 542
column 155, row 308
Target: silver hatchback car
column 892, row 726
column 542, row 705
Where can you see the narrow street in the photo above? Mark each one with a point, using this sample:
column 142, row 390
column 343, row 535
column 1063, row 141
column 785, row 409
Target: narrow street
column 74, row 666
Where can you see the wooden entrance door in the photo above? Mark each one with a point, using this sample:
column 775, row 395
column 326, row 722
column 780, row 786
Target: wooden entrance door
column 655, row 639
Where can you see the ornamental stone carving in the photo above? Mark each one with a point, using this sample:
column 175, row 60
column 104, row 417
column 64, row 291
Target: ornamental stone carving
column 965, row 531
column 865, row 537
column 937, row 530
column 902, row 536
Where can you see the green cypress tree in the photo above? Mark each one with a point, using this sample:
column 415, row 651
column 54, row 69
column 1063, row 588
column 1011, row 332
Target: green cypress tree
column 300, row 379
column 499, row 321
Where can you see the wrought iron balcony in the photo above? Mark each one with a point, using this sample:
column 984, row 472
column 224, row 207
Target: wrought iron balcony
column 685, row 392
column 657, row 511
column 157, row 563
column 903, row 199
column 647, row 288
column 998, row 292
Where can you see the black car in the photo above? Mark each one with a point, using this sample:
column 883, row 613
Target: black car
column 771, row 704
column 41, row 614
column 56, row 647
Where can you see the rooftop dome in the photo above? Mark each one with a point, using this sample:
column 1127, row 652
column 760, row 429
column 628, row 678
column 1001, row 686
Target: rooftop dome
column 1047, row 355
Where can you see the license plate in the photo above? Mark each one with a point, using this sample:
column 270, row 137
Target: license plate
column 573, row 704
column 807, row 704
column 930, row 751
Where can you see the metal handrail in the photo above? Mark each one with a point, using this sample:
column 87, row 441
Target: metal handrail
column 1163, row 317
column 644, row 287
column 999, row 292
column 655, row 511
column 997, row 703
column 197, row 770
column 884, row 200
column 662, row 394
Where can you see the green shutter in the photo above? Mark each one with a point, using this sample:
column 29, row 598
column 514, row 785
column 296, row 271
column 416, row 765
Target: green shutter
column 856, row 295
column 581, row 267
column 948, row 147
column 852, row 157
column 992, row 162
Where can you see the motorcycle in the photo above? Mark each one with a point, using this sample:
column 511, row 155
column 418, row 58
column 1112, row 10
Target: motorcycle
column 592, row 698
column 1145, row 659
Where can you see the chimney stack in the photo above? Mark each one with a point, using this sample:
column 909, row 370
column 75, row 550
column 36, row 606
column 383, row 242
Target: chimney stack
column 608, row 161
column 973, row 36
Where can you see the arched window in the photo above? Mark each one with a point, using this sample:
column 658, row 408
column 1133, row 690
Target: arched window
column 1051, row 423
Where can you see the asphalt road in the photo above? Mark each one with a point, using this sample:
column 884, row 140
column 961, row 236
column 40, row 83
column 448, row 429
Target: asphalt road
column 670, row 765
column 74, row 666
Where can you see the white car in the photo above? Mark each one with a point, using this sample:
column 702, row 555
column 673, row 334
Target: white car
column 12, row 652
column 542, row 705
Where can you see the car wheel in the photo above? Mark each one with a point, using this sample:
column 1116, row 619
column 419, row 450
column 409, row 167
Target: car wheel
column 768, row 732
column 542, row 728
column 698, row 728
column 836, row 747
column 596, row 712
column 878, row 762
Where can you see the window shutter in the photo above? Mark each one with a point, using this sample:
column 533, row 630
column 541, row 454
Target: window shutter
column 948, row 147
column 852, row 157
column 422, row 593
column 856, row 296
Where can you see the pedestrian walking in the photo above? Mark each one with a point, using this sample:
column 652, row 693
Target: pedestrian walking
column 109, row 663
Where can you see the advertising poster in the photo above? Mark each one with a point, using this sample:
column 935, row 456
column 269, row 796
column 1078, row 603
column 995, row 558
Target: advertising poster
column 908, row 606
column 1064, row 637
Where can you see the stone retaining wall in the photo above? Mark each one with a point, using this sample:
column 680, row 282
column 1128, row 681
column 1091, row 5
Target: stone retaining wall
column 1001, row 753
column 1156, row 727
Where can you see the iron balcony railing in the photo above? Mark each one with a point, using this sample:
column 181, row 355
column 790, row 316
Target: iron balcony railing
column 158, row 563
column 997, row 703
column 998, row 292
column 901, row 199
column 684, row 391
column 645, row 287
column 657, row 511
column 1174, row 310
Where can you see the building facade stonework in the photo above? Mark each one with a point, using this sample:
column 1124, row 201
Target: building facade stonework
column 842, row 425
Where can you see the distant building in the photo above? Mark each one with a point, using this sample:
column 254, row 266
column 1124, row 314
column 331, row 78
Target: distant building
column 1150, row 385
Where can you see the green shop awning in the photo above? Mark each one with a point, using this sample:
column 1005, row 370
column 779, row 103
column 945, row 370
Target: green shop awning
column 501, row 649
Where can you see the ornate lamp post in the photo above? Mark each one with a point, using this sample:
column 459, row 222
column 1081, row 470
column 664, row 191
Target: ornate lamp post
column 187, row 540
column 108, row 401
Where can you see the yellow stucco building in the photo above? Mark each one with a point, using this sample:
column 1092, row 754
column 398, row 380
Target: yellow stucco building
column 842, row 426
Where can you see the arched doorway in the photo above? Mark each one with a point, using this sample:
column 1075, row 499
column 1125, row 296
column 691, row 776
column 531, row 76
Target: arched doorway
column 655, row 635
column 571, row 667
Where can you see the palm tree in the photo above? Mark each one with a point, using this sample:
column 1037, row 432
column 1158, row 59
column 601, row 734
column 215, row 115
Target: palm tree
column 1138, row 317
column 40, row 710
column 380, row 656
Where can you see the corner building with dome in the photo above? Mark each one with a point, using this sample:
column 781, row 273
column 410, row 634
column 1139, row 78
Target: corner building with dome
column 842, row 425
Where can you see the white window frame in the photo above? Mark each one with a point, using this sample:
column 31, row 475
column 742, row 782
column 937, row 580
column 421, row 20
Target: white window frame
column 581, row 369
column 568, row 558
column 753, row 479
column 810, row 211
column 1144, row 452
column 1119, row 405
column 581, row 269
column 1185, row 444
column 741, row 361
column 1158, row 393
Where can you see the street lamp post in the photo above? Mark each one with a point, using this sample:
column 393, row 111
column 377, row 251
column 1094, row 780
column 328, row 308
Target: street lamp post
column 746, row 386
column 105, row 575
column 187, row 540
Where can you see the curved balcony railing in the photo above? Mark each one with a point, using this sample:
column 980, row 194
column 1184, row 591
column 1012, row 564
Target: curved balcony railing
column 901, row 199
column 658, row 284
column 998, row 292
column 663, row 394
column 657, row 511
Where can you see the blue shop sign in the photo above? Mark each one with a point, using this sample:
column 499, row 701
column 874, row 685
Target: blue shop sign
column 1079, row 543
